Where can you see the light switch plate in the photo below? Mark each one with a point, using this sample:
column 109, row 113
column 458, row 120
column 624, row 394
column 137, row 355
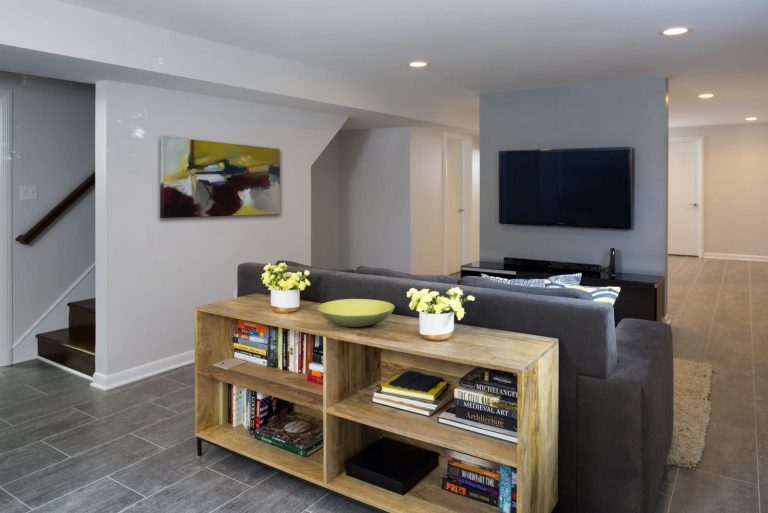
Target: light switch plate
column 27, row 192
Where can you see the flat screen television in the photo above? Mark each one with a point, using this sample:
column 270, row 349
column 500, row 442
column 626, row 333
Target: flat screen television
column 582, row 187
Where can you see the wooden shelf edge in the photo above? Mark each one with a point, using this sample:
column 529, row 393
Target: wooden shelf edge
column 286, row 385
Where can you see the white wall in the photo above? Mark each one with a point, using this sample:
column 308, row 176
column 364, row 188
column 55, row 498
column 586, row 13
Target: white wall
column 327, row 215
column 53, row 130
column 735, row 185
column 151, row 273
column 375, row 198
column 601, row 114
column 426, row 201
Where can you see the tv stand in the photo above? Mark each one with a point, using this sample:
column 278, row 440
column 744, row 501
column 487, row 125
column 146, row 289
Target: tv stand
column 642, row 296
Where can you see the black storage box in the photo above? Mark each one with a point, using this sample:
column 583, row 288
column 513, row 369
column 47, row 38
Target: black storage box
column 392, row 465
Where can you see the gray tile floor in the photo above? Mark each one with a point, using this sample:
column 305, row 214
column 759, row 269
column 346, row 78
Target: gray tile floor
column 65, row 447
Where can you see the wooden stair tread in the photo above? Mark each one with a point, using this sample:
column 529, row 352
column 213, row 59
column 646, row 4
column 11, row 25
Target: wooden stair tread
column 87, row 304
column 66, row 337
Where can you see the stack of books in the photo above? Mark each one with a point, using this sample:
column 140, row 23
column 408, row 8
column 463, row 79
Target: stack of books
column 414, row 392
column 251, row 409
column 274, row 347
column 485, row 402
column 293, row 432
column 481, row 480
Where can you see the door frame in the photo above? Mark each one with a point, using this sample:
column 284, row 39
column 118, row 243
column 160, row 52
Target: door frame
column 466, row 196
column 6, row 228
column 699, row 140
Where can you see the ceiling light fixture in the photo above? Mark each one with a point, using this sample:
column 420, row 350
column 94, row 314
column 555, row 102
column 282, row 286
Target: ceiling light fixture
column 706, row 96
column 418, row 64
column 751, row 118
column 675, row 31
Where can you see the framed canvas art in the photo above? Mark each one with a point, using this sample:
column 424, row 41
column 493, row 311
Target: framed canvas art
column 206, row 178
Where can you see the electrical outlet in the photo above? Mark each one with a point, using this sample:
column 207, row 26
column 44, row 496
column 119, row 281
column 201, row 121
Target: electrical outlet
column 27, row 192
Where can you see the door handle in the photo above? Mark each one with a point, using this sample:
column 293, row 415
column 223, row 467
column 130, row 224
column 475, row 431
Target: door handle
column 461, row 210
column 693, row 204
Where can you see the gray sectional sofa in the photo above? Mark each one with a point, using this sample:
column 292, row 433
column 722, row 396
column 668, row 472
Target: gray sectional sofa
column 616, row 397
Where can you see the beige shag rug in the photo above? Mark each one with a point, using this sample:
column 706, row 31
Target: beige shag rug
column 692, row 382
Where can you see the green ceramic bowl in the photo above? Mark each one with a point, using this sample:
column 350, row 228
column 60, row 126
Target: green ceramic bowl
column 356, row 313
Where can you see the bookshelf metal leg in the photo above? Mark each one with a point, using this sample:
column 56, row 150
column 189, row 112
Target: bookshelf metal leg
column 199, row 447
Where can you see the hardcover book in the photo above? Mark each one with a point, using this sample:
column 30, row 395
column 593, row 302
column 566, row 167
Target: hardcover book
column 414, row 384
column 474, row 380
column 299, row 431
column 449, row 418
column 453, row 486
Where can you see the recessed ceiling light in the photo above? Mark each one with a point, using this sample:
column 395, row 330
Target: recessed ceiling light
column 706, row 96
column 675, row 31
column 418, row 64
column 751, row 118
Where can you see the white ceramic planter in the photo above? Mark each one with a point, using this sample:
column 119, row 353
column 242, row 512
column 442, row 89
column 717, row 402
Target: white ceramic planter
column 285, row 301
column 436, row 326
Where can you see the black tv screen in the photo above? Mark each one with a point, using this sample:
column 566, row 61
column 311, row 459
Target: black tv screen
column 583, row 187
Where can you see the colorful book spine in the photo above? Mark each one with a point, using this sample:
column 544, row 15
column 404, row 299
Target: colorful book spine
column 468, row 491
column 476, row 396
column 509, row 424
column 288, row 447
column 272, row 347
column 473, row 477
column 493, row 388
column 493, row 474
column 493, row 492
column 507, row 489
column 248, row 357
column 251, row 349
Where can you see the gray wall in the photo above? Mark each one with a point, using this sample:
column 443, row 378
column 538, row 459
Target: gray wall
column 326, row 200
column 375, row 190
column 53, row 142
column 601, row 114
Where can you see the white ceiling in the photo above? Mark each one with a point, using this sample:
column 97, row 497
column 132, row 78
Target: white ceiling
column 477, row 46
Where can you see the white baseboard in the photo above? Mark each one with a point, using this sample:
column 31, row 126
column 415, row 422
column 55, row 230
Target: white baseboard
column 735, row 256
column 123, row 377
column 62, row 367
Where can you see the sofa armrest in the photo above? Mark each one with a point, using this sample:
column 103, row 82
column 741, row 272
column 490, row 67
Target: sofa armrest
column 625, row 422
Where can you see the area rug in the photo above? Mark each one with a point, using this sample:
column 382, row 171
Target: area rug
column 692, row 382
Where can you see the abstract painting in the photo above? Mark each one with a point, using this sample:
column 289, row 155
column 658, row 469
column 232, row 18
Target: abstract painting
column 205, row 178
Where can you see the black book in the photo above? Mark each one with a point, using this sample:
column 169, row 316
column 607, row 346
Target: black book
column 392, row 465
column 484, row 408
column 475, row 380
column 488, row 419
column 501, row 378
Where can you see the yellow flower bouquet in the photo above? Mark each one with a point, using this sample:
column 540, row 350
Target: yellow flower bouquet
column 431, row 301
column 277, row 277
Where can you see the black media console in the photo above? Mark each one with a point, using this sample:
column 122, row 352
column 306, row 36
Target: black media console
column 642, row 296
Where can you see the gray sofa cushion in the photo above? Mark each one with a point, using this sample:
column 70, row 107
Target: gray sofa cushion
column 434, row 278
column 477, row 281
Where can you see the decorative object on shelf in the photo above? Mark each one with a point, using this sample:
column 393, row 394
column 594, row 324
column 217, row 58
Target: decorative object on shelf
column 205, row 178
column 436, row 311
column 285, row 287
column 356, row 313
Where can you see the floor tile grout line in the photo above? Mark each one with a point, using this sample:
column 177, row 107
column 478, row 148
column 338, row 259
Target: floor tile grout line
column 228, row 477
column 64, row 494
column 55, row 448
column 714, row 312
column 148, row 441
column 15, row 498
column 126, row 487
column 754, row 386
column 37, row 390
column 724, row 476
column 241, row 493
column 672, row 493
column 308, row 509
column 165, row 408
column 687, row 293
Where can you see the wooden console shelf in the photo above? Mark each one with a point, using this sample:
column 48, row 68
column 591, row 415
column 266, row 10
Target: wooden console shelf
column 355, row 361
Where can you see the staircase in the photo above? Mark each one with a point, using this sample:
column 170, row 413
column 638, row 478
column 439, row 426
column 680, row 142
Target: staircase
column 73, row 347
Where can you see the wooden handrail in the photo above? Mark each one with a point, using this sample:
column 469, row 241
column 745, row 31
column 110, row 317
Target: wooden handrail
column 56, row 212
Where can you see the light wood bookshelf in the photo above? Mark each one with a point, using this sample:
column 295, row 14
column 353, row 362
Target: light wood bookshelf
column 355, row 361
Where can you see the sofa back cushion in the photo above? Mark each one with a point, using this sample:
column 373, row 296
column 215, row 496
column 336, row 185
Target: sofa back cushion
column 434, row 278
column 478, row 281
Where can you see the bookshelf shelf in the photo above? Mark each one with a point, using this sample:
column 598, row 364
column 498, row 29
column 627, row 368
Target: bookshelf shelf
column 287, row 385
column 360, row 409
column 355, row 361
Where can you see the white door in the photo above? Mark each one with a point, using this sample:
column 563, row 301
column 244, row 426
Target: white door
column 685, row 172
column 453, row 205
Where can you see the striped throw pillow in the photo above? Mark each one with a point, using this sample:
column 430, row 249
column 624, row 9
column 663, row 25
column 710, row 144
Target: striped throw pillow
column 566, row 279
column 533, row 282
column 607, row 295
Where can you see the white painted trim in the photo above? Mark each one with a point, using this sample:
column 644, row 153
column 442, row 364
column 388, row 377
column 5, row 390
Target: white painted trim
column 6, row 228
column 54, row 305
column 62, row 367
column 466, row 141
column 108, row 381
column 700, row 184
column 736, row 256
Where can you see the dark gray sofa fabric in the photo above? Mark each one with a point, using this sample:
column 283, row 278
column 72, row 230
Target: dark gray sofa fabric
column 478, row 281
column 434, row 278
column 588, row 349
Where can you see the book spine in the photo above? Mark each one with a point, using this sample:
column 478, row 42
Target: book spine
column 485, row 398
column 484, row 408
column 472, row 476
column 473, row 468
column 493, row 388
column 271, row 353
column 240, row 355
column 282, row 445
column 473, row 461
column 485, row 418
column 493, row 492
column 507, row 489
column 501, row 378
column 251, row 349
column 467, row 491
column 315, row 379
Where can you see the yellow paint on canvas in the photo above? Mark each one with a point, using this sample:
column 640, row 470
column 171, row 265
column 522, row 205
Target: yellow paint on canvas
column 250, row 210
column 207, row 152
